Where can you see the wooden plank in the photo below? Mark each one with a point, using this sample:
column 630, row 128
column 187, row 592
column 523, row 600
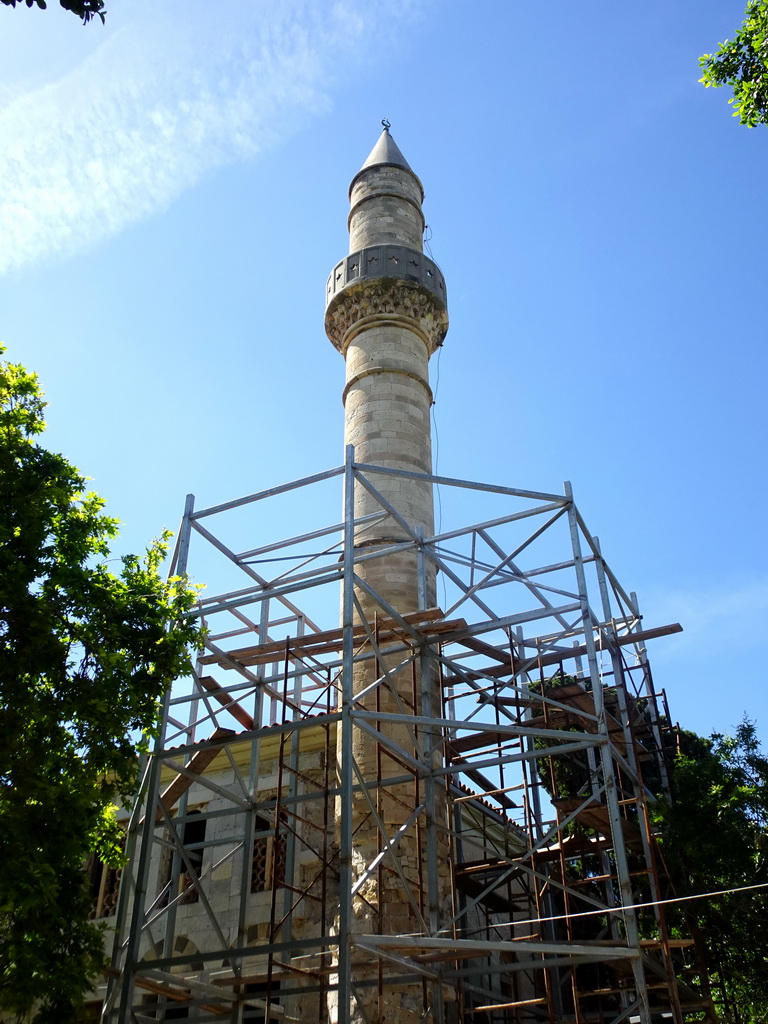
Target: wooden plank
column 161, row 989
column 672, row 943
column 557, row 657
column 560, row 720
column 327, row 641
column 484, row 783
column 492, row 1007
column 595, row 816
column 197, row 764
column 576, row 700
column 477, row 888
column 485, row 738
column 326, row 635
column 219, row 694
column 501, row 654
column 183, row 989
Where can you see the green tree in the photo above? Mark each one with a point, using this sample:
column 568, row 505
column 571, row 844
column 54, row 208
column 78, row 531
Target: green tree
column 742, row 63
column 85, row 656
column 714, row 837
column 84, row 9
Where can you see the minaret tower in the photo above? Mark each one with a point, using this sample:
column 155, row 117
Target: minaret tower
column 321, row 837
column 386, row 314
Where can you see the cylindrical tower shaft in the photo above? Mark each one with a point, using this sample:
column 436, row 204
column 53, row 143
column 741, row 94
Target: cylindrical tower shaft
column 386, row 313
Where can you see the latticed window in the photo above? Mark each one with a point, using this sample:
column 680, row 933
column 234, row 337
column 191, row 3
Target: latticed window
column 269, row 851
column 257, row 996
column 192, row 836
column 103, row 887
column 194, row 833
column 151, row 1010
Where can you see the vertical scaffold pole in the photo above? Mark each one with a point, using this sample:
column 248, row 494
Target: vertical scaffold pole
column 125, row 958
column 346, row 725
column 432, row 746
column 609, row 781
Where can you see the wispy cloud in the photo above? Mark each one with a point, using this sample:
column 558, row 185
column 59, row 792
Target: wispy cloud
column 709, row 671
column 719, row 613
column 183, row 89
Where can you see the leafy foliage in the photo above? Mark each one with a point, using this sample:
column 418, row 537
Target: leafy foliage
column 714, row 837
column 742, row 63
column 84, row 9
column 85, row 655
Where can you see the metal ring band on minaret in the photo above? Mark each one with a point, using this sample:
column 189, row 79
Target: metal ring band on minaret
column 365, row 172
column 391, row 262
column 385, row 194
column 386, row 369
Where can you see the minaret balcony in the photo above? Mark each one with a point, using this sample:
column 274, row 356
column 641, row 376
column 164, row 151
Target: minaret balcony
column 389, row 262
column 386, row 280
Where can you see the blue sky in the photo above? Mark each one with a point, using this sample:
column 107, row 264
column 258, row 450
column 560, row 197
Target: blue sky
column 174, row 194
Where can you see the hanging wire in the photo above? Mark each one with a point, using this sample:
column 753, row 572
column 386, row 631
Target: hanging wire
column 428, row 239
column 635, row 906
column 428, row 247
column 437, row 462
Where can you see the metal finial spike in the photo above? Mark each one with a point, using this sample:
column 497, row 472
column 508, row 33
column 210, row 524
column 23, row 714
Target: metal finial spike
column 386, row 125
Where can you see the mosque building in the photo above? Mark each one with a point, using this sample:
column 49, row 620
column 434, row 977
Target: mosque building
column 433, row 809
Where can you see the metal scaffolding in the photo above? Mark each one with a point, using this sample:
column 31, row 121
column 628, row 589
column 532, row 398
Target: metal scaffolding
column 524, row 755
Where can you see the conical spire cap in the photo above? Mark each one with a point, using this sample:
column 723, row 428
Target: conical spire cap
column 386, row 153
